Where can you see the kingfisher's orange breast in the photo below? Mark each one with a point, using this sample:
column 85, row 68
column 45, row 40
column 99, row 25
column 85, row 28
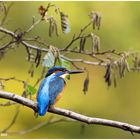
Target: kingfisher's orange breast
column 60, row 95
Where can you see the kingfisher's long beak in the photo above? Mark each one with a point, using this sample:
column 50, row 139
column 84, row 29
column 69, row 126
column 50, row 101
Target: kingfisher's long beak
column 75, row 71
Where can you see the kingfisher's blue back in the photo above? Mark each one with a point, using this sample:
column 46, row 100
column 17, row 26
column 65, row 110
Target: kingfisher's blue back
column 49, row 89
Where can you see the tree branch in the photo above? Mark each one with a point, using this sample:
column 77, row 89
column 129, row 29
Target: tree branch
column 27, row 45
column 19, row 99
column 84, row 61
column 23, row 42
column 70, row 114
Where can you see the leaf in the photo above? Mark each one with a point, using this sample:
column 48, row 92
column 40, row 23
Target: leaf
column 31, row 90
column 65, row 63
column 49, row 59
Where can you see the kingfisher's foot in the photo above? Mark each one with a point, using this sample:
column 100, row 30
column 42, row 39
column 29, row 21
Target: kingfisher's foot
column 51, row 106
column 36, row 114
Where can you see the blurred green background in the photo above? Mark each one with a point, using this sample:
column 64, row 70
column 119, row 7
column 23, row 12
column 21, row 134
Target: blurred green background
column 120, row 29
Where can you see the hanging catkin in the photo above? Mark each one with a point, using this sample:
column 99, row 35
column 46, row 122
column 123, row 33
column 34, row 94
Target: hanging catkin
column 64, row 23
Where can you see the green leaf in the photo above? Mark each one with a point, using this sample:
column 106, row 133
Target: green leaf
column 31, row 90
column 49, row 59
column 65, row 63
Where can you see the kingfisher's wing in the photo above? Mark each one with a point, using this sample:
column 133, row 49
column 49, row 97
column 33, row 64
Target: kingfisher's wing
column 43, row 97
column 55, row 88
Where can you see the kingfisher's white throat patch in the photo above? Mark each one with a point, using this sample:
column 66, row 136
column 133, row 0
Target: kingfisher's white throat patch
column 64, row 75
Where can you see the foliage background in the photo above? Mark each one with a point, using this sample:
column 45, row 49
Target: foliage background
column 119, row 30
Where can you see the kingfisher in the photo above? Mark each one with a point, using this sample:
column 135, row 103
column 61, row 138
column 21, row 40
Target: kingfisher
column 51, row 88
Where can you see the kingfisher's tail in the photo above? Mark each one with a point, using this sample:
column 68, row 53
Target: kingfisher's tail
column 42, row 103
column 42, row 110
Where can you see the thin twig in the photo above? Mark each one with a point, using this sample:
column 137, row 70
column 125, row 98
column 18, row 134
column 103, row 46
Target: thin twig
column 85, row 27
column 33, row 25
column 8, row 45
column 77, row 67
column 41, row 77
column 6, row 14
column 36, row 39
column 12, row 78
column 38, row 126
column 9, row 103
column 12, row 122
column 3, row 37
column 75, row 38
column 84, row 61
column 91, row 53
